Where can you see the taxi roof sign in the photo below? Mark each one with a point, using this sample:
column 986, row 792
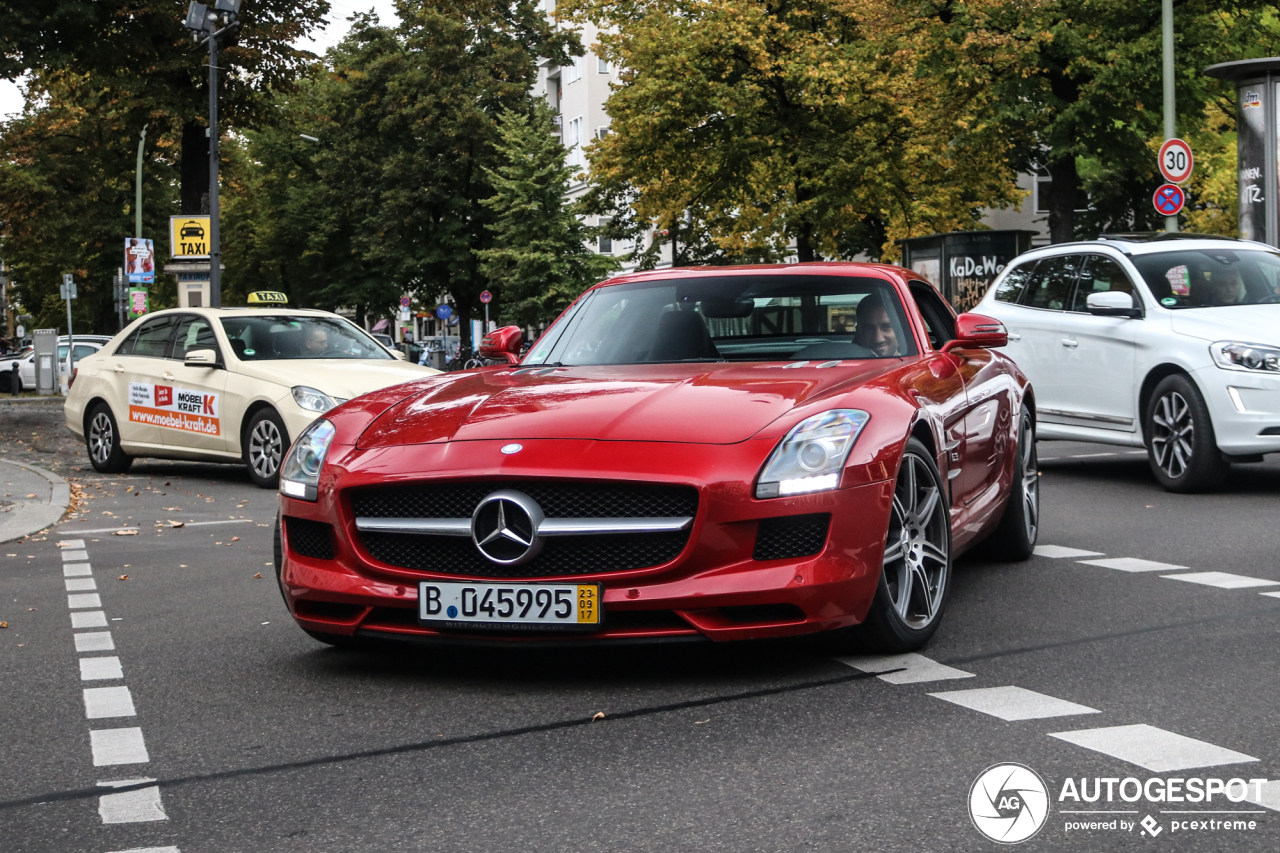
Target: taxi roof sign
column 268, row 297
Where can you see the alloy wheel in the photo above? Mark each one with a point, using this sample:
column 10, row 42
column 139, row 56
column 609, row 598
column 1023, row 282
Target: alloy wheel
column 101, row 438
column 1172, row 434
column 265, row 449
column 1030, row 478
column 915, row 556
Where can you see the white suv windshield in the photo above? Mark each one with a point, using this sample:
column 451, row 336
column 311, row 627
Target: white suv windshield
column 1211, row 278
column 266, row 338
column 732, row 318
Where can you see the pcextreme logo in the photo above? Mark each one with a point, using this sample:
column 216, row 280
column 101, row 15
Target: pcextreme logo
column 1008, row 803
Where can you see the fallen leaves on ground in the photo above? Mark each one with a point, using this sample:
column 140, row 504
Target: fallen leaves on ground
column 123, row 578
column 235, row 538
column 598, row 716
column 132, row 531
column 4, row 624
column 173, row 523
column 258, row 575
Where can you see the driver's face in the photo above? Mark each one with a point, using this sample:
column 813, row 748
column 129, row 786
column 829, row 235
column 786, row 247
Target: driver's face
column 1223, row 289
column 876, row 333
column 318, row 341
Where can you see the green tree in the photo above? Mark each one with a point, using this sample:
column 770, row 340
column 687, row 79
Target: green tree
column 539, row 261
column 750, row 124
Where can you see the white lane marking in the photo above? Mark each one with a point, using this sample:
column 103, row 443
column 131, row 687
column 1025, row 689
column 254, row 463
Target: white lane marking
column 1013, row 703
column 103, row 702
column 1222, row 580
column 74, row 556
column 89, row 619
column 118, row 746
column 80, row 584
column 188, row 524
column 99, row 669
column 915, row 668
column 95, row 641
column 165, row 849
column 84, row 600
column 1155, row 749
column 138, row 806
column 1058, row 551
column 1269, row 797
column 71, row 543
column 1132, row 564
column 76, row 570
column 1271, row 594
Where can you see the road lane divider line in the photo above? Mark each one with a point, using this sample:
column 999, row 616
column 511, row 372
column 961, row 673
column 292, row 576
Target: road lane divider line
column 84, row 601
column 100, row 669
column 908, row 668
column 165, row 849
column 79, row 556
column 187, row 524
column 89, row 619
column 118, row 746
column 95, row 641
column 105, row 702
column 1013, row 703
column 1057, row 552
column 140, row 805
column 1132, row 564
column 1222, row 580
column 76, row 570
column 80, row 584
column 74, row 544
column 1154, row 749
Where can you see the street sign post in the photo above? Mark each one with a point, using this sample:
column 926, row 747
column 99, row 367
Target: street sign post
column 69, row 293
column 1169, row 200
column 1176, row 161
column 486, row 297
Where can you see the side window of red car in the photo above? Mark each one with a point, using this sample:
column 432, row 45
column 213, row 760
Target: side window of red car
column 938, row 317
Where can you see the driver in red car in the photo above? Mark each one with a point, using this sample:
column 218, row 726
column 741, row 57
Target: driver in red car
column 875, row 331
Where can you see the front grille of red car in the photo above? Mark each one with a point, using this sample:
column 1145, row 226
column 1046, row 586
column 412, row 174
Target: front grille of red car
column 585, row 554
column 791, row 536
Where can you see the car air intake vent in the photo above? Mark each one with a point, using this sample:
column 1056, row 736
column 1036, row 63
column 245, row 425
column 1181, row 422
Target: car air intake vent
column 570, row 555
column 791, row 536
column 458, row 499
column 310, row 538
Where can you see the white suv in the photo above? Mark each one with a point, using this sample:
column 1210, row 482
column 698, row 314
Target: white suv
column 1168, row 343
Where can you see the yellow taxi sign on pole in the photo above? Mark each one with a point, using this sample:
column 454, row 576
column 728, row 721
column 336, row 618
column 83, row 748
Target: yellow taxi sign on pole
column 268, row 297
column 189, row 237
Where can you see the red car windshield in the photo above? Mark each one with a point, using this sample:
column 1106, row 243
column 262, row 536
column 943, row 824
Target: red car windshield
column 731, row 318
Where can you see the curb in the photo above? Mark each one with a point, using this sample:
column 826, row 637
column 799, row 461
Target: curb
column 32, row 517
column 30, row 401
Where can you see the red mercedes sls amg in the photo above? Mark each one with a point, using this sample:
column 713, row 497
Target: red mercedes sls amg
column 717, row 453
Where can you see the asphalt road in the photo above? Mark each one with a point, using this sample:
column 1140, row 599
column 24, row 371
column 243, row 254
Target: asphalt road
column 260, row 739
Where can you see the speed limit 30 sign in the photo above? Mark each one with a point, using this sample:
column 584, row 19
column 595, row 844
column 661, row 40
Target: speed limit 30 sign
column 1176, row 161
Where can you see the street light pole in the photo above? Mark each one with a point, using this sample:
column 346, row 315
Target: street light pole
column 1170, row 123
column 137, row 205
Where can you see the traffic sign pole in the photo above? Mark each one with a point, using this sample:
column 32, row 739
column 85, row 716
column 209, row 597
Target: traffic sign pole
column 68, row 293
column 1170, row 122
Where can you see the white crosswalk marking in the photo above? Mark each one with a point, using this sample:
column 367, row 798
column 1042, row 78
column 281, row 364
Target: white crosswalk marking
column 80, row 584
column 1132, row 564
column 1013, row 703
column 72, row 543
column 1058, row 551
column 100, row 669
column 140, row 806
column 118, row 746
column 103, row 702
column 76, row 570
column 89, row 619
column 75, row 556
column 1155, row 749
column 95, row 641
column 915, row 668
column 1222, row 580
column 83, row 600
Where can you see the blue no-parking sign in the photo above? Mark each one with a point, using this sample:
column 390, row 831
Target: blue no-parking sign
column 1169, row 199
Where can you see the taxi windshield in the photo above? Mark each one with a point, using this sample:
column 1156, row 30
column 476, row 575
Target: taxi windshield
column 268, row 338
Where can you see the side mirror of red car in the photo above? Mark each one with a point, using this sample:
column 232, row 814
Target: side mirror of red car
column 978, row 330
column 502, row 344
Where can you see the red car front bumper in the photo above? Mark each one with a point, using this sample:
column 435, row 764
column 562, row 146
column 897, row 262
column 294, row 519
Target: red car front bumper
column 715, row 588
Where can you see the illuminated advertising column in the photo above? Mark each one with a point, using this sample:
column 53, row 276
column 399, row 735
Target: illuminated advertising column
column 1257, row 94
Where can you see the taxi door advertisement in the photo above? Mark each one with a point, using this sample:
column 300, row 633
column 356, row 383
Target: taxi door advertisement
column 174, row 408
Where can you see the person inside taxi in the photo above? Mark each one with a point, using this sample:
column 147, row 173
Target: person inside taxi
column 317, row 341
column 875, row 330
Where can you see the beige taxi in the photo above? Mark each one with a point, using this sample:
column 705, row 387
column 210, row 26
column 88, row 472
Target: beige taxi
column 223, row 385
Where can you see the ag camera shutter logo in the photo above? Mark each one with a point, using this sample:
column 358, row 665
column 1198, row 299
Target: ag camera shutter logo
column 1008, row 803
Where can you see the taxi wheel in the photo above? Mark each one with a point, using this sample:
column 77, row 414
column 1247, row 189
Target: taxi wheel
column 265, row 443
column 103, row 439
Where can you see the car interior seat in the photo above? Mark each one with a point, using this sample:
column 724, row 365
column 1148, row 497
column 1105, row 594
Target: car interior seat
column 682, row 335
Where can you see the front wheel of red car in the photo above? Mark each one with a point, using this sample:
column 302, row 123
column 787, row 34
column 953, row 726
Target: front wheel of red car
column 915, row 574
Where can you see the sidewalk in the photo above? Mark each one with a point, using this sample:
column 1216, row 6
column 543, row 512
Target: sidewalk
column 31, row 499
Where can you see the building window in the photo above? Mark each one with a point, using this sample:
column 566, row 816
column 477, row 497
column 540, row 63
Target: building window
column 606, row 243
column 573, row 141
column 573, row 71
column 602, row 132
column 602, row 65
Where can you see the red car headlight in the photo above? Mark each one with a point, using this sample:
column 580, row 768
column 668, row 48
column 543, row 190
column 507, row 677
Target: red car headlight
column 812, row 455
column 300, row 473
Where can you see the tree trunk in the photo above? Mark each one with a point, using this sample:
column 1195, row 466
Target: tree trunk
column 804, row 245
column 1063, row 200
column 195, row 169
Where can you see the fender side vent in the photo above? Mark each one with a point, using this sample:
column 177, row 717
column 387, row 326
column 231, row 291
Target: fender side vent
column 791, row 536
column 309, row 538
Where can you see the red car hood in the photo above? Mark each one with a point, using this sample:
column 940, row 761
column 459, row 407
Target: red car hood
column 693, row 403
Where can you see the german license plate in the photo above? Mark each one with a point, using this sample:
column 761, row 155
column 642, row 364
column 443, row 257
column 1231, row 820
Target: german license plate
column 510, row 606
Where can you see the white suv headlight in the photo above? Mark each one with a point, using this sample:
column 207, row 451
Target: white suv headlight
column 300, row 473
column 312, row 400
column 1252, row 358
column 812, row 455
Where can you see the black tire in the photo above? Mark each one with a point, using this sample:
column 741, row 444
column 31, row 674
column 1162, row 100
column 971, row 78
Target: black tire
column 265, row 443
column 6, row 382
column 1181, row 447
column 918, row 547
column 1014, row 539
column 102, row 438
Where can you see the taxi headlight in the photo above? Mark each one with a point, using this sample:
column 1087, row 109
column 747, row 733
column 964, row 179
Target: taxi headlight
column 300, row 473
column 312, row 400
column 1235, row 355
column 812, row 455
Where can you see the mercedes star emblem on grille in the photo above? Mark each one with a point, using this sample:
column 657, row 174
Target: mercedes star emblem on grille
column 505, row 525
column 508, row 449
